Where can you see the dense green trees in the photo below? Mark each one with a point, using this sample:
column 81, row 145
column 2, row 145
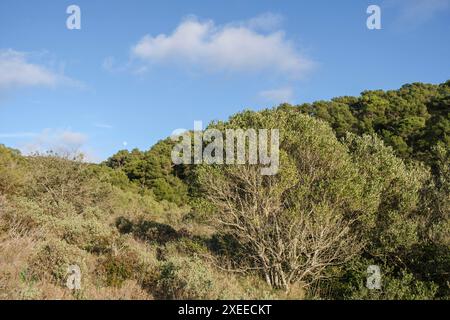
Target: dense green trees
column 412, row 120
column 152, row 169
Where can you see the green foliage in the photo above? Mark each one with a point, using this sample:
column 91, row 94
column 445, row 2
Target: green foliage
column 52, row 260
column 184, row 278
column 395, row 284
column 430, row 263
column 118, row 268
column 363, row 181
column 181, row 277
column 317, row 194
column 359, row 178
column 12, row 173
column 150, row 231
column 392, row 191
column 152, row 169
column 57, row 182
column 412, row 120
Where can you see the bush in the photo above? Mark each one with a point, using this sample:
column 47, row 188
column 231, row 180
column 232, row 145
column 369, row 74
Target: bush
column 151, row 231
column 88, row 234
column 115, row 269
column 396, row 284
column 12, row 171
column 402, row 287
column 52, row 260
column 56, row 181
column 184, row 278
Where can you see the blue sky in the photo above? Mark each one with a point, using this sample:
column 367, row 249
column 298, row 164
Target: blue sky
column 137, row 70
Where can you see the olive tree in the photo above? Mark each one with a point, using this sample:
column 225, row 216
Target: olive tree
column 296, row 223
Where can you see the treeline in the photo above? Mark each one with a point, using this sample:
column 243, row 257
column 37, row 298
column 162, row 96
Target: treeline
column 412, row 120
column 362, row 181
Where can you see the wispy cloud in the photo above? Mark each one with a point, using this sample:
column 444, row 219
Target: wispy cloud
column 278, row 95
column 265, row 22
column 102, row 125
column 412, row 13
column 110, row 64
column 234, row 47
column 17, row 71
column 61, row 141
column 15, row 135
column 52, row 140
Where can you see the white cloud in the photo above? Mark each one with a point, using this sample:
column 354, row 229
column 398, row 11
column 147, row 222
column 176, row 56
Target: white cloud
column 233, row 47
column 17, row 71
column 279, row 95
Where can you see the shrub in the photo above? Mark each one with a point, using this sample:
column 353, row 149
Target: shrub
column 401, row 287
column 117, row 268
column 184, row 278
column 12, row 171
column 150, row 231
column 52, row 260
column 62, row 179
column 88, row 234
column 396, row 284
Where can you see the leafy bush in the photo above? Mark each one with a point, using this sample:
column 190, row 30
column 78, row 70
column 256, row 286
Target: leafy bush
column 12, row 171
column 118, row 268
column 52, row 260
column 185, row 278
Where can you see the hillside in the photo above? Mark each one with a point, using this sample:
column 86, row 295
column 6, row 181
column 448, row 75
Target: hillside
column 362, row 181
